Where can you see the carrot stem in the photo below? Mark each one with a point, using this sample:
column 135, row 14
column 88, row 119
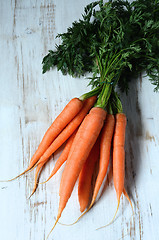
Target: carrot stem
column 92, row 93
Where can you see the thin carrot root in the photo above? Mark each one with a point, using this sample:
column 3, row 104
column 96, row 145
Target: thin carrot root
column 70, row 224
column 20, row 175
column 45, row 181
column 129, row 200
column 113, row 217
column 39, row 167
column 58, row 217
column 126, row 195
column 82, row 214
column 52, row 229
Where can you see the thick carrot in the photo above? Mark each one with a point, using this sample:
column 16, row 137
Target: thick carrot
column 63, row 156
column 69, row 129
column 84, row 140
column 105, row 147
column 85, row 177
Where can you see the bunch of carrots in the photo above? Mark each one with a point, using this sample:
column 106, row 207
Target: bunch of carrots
column 115, row 41
column 104, row 42
column 89, row 128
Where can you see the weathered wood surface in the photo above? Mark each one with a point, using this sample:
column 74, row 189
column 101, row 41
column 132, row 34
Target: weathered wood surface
column 29, row 103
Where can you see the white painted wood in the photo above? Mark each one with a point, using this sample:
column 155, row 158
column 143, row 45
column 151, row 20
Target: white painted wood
column 29, row 103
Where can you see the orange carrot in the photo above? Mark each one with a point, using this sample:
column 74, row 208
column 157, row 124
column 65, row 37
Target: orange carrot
column 105, row 147
column 119, row 154
column 85, row 177
column 68, row 113
column 119, row 160
column 84, row 140
column 69, row 129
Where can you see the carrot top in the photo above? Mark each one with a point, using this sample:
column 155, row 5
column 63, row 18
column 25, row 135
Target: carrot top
column 122, row 40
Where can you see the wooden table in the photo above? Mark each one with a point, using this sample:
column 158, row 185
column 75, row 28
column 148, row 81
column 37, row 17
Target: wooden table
column 30, row 101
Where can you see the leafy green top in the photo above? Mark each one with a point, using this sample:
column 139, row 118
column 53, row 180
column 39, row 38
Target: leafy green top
column 114, row 41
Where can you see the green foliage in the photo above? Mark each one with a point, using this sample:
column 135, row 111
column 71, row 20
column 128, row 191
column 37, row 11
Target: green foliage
column 115, row 41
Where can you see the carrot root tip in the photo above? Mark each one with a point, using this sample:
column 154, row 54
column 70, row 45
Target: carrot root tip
column 112, row 219
column 70, row 224
column 32, row 193
column 20, row 175
column 45, row 181
column 129, row 200
column 57, row 219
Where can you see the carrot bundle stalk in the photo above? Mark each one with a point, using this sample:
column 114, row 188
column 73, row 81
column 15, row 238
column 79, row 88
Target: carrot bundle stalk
column 84, row 140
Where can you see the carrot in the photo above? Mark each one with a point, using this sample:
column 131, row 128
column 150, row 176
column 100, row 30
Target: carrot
column 85, row 177
column 69, row 129
column 84, row 140
column 119, row 160
column 63, row 136
column 105, row 147
column 63, row 156
column 68, row 113
column 119, row 154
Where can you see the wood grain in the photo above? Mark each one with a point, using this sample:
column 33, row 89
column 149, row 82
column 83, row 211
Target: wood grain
column 29, row 103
